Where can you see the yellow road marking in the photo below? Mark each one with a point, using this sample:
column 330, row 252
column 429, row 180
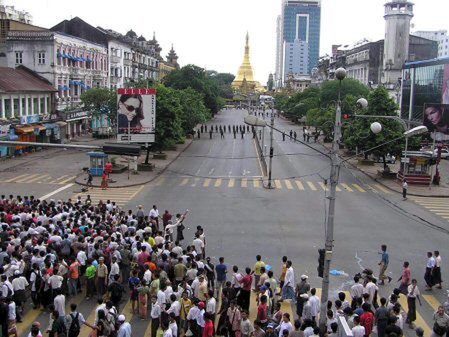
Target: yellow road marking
column 195, row 181
column 311, row 185
column 256, row 183
column 207, row 182
column 67, row 180
column 419, row 319
column 324, row 187
column 136, row 192
column 218, row 183
column 26, row 178
column 300, row 185
column 160, row 181
column 184, row 181
column 38, row 178
column 278, row 184
column 27, row 320
column 244, row 182
column 12, row 179
column 231, row 182
column 253, row 307
column 359, row 188
column 288, row 184
column 383, row 189
column 433, row 302
column 346, row 187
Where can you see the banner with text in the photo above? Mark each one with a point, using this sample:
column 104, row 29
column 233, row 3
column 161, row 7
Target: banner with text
column 136, row 115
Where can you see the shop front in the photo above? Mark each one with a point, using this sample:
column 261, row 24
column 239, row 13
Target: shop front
column 6, row 133
column 77, row 123
column 415, row 167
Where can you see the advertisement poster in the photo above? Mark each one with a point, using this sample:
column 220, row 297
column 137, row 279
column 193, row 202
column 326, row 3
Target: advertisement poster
column 445, row 99
column 136, row 115
column 436, row 119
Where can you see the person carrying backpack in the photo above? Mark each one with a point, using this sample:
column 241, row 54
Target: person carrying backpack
column 74, row 320
column 36, row 285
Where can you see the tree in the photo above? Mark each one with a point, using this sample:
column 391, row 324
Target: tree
column 101, row 100
column 194, row 111
column 196, row 78
column 270, row 83
column 329, row 90
column 357, row 134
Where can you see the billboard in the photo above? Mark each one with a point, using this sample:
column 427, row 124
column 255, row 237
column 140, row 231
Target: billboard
column 445, row 94
column 136, row 115
column 436, row 119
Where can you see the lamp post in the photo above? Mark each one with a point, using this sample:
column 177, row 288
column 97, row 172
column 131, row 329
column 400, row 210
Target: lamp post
column 270, row 163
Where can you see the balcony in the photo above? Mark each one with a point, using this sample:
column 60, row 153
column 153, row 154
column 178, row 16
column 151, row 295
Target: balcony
column 128, row 62
column 115, row 59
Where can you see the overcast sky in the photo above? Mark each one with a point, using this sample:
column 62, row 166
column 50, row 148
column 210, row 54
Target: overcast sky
column 211, row 33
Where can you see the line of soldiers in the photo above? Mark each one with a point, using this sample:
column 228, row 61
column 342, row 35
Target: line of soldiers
column 235, row 129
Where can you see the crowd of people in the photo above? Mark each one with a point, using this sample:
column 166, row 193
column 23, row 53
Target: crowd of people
column 54, row 250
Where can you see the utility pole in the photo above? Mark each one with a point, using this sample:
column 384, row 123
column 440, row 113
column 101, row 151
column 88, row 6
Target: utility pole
column 271, row 150
column 340, row 74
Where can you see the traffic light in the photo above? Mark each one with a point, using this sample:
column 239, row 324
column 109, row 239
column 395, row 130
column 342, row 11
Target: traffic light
column 122, row 149
column 347, row 116
column 320, row 268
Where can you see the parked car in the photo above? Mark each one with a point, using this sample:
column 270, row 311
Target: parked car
column 444, row 153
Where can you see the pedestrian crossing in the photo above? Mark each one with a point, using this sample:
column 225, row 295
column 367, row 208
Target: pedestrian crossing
column 39, row 178
column 438, row 206
column 430, row 304
column 121, row 196
column 291, row 185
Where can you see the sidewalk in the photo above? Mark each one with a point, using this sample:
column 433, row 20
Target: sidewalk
column 142, row 177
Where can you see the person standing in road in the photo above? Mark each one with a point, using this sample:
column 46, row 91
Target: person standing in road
column 441, row 322
column 198, row 134
column 257, row 271
column 412, row 294
column 291, row 134
column 302, row 287
column 430, row 266
column 405, row 278
column 437, row 271
column 381, row 317
column 295, row 135
column 356, row 292
column 283, row 136
column 384, row 265
column 221, row 133
column 404, row 189
column 288, row 290
column 104, row 181
column 210, row 133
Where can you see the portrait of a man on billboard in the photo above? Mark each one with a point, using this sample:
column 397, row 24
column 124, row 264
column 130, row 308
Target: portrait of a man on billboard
column 436, row 118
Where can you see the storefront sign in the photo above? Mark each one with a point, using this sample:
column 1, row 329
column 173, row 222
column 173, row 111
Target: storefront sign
column 50, row 117
column 30, row 119
column 4, row 130
column 77, row 115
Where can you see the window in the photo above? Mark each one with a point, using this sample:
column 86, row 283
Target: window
column 24, row 112
column 16, row 109
column 19, row 57
column 41, row 57
column 8, row 108
column 42, row 104
column 35, row 106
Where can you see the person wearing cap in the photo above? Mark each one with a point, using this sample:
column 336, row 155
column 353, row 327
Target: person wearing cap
column 270, row 332
column 200, row 320
column 303, row 287
column 124, row 329
column 307, row 307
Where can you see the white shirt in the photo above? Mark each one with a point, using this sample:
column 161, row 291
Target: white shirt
column 161, row 299
column 55, row 281
column 168, row 333
column 7, row 285
column 236, row 278
column 156, row 311
column 356, row 290
column 290, row 277
column 124, row 330
column 211, row 306
column 81, row 257
column 199, row 245
column 430, row 262
column 200, row 318
column 371, row 289
column 174, row 328
column 285, row 326
column 147, row 276
column 413, row 292
column 315, row 304
column 12, row 310
column 154, row 213
column 175, row 307
column 358, row 331
column 59, row 303
column 438, row 261
column 19, row 283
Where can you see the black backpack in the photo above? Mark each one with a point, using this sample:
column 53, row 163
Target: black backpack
column 38, row 281
column 75, row 328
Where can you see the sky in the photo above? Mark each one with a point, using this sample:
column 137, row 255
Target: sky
column 211, row 33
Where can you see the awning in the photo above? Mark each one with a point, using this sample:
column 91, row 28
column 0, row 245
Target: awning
column 29, row 128
column 61, row 123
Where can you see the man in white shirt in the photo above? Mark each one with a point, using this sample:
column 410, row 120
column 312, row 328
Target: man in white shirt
column 7, row 290
column 236, row 278
column 59, row 303
column 125, row 328
column 155, row 314
column 115, row 269
column 371, row 289
column 430, row 266
column 161, row 298
column 199, row 245
column 288, row 291
column 172, row 324
column 356, row 290
column 314, row 301
column 358, row 330
column 211, row 305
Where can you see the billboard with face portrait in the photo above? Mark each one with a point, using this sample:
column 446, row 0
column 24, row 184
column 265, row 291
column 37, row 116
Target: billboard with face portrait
column 136, row 115
column 436, row 119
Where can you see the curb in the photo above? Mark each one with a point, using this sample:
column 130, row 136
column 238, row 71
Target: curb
column 150, row 180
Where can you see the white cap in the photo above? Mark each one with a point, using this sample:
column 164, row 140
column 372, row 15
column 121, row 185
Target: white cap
column 17, row 272
column 121, row 318
column 304, row 277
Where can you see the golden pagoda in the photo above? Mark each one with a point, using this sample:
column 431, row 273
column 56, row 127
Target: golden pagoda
column 245, row 76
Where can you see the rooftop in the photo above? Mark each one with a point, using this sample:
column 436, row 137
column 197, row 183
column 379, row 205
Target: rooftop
column 22, row 79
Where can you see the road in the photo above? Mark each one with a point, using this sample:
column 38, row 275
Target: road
column 220, row 182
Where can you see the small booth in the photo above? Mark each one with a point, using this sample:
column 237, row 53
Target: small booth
column 97, row 161
column 415, row 167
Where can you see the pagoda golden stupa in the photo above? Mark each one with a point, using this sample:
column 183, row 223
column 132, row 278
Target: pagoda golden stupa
column 244, row 82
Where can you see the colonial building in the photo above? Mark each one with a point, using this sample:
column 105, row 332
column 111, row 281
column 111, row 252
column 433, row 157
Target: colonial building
column 11, row 13
column 165, row 67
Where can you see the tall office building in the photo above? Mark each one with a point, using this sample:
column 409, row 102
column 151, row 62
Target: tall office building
column 298, row 38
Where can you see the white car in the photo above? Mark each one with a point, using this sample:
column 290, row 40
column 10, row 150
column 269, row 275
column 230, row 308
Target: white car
column 444, row 153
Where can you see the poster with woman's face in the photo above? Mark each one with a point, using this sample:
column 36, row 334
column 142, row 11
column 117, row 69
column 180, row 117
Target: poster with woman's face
column 445, row 95
column 136, row 115
column 436, row 118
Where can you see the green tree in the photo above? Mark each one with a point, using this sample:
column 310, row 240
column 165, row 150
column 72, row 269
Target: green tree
column 194, row 111
column 329, row 90
column 357, row 135
column 101, row 100
column 196, row 78
column 168, row 117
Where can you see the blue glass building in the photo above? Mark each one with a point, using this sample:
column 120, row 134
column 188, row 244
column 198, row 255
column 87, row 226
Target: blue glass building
column 302, row 20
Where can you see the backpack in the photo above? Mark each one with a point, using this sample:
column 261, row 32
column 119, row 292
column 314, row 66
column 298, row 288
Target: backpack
column 38, row 281
column 65, row 247
column 9, row 290
column 75, row 328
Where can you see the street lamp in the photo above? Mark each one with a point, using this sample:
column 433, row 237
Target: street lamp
column 254, row 121
column 376, row 127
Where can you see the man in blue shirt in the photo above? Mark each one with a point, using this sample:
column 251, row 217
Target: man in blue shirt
column 221, row 270
column 384, row 265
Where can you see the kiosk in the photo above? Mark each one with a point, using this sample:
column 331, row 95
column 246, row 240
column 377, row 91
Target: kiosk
column 98, row 161
column 415, row 167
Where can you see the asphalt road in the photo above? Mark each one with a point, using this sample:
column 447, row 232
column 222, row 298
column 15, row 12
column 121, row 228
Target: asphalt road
column 220, row 182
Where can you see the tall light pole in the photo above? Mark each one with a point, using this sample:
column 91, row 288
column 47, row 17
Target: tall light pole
column 340, row 74
column 270, row 163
